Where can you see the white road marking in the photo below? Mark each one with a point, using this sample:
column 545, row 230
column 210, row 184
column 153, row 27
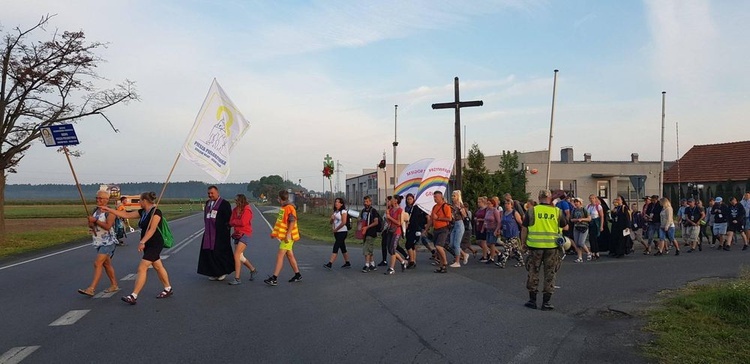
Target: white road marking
column 264, row 219
column 70, row 318
column 129, row 277
column 15, row 355
column 524, row 355
column 182, row 244
column 44, row 256
column 103, row 294
column 163, row 257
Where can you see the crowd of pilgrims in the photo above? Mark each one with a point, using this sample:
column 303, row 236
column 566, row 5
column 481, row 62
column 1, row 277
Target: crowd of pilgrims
column 492, row 232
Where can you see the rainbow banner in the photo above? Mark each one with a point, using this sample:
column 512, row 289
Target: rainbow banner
column 411, row 178
column 435, row 178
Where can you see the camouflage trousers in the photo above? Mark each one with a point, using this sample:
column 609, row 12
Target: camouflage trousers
column 551, row 259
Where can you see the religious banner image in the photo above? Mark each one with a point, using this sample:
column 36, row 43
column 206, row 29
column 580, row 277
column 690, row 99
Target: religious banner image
column 411, row 178
column 218, row 127
column 436, row 177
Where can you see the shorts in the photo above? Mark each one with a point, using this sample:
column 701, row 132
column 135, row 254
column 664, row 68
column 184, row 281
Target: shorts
column 152, row 252
column 106, row 249
column 491, row 238
column 478, row 236
column 720, row 228
column 411, row 240
column 666, row 235
column 286, row 245
column 691, row 233
column 245, row 239
column 368, row 245
column 747, row 221
column 737, row 228
column 441, row 237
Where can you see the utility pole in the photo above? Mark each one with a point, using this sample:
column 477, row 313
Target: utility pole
column 661, row 170
column 551, row 125
column 338, row 176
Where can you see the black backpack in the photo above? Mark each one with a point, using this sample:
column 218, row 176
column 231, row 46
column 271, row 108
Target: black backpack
column 348, row 220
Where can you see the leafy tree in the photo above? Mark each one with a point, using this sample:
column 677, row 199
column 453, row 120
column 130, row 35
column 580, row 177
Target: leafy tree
column 510, row 178
column 40, row 83
column 477, row 180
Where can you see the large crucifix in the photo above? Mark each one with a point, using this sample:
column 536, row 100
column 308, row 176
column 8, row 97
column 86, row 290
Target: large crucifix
column 457, row 105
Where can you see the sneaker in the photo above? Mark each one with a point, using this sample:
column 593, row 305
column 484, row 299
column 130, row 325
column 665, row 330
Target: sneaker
column 252, row 274
column 389, row 271
column 455, row 265
column 296, row 278
column 221, row 277
column 271, row 281
column 212, row 278
column 382, row 264
column 411, row 265
column 489, row 261
column 691, row 250
column 588, row 256
column 677, row 252
column 483, row 260
column 327, row 265
column 129, row 299
column 365, row 269
column 579, row 260
column 727, row 248
column 466, row 259
column 403, row 267
column 235, row 282
column 347, row 265
column 372, row 268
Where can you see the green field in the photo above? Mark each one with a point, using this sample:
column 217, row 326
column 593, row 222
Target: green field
column 34, row 227
column 703, row 324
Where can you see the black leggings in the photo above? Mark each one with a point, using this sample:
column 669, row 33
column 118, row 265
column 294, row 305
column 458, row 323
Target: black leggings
column 340, row 243
column 703, row 232
column 385, row 241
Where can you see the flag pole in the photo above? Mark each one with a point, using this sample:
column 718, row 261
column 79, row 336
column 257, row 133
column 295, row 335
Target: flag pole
column 164, row 188
column 78, row 185
column 551, row 124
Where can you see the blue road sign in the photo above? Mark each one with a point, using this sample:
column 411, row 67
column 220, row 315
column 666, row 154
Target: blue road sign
column 59, row 135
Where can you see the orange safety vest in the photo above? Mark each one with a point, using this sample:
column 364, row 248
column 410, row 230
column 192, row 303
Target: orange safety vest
column 282, row 223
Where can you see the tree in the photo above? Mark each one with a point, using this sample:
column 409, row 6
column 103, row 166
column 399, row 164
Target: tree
column 510, row 178
column 477, row 180
column 39, row 81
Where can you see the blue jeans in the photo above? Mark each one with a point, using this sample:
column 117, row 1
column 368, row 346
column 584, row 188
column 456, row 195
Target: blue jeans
column 457, row 234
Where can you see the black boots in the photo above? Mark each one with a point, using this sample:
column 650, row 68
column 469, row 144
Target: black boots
column 532, row 301
column 546, row 306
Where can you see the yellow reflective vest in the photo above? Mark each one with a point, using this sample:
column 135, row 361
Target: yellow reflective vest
column 546, row 227
column 282, row 223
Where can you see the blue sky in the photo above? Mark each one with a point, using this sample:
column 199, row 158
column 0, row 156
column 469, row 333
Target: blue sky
column 323, row 76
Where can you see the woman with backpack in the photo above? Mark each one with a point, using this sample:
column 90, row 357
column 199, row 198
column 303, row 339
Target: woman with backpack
column 338, row 222
column 151, row 243
column 581, row 219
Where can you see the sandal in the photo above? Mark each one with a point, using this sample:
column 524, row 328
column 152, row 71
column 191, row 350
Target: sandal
column 87, row 292
column 129, row 299
column 164, row 293
column 112, row 289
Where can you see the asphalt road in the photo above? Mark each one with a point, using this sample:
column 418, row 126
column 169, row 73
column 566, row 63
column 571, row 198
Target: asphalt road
column 472, row 314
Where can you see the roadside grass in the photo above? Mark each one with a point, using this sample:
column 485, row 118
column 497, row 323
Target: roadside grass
column 35, row 227
column 703, row 324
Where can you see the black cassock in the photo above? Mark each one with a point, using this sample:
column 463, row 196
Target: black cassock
column 219, row 260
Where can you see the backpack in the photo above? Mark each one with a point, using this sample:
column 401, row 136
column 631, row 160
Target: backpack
column 119, row 229
column 166, row 233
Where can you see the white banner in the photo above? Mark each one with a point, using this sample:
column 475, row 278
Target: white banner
column 217, row 129
column 411, row 178
column 436, row 177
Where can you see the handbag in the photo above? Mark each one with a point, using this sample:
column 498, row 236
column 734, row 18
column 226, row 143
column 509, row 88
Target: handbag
column 237, row 235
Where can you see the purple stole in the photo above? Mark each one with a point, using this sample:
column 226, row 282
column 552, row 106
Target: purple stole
column 209, row 235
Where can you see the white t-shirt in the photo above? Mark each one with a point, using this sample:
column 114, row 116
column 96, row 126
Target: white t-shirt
column 337, row 218
column 593, row 211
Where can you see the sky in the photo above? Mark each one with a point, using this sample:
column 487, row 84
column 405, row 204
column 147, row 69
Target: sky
column 317, row 78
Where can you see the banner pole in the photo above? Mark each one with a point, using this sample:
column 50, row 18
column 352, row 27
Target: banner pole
column 164, row 188
column 78, row 185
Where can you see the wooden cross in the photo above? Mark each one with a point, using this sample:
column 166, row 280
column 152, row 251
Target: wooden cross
column 329, row 160
column 457, row 105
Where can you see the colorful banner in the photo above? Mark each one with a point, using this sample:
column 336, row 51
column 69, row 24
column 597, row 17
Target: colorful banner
column 217, row 129
column 411, row 178
column 436, row 177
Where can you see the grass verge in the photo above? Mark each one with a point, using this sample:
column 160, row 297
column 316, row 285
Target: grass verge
column 31, row 228
column 317, row 226
column 703, row 324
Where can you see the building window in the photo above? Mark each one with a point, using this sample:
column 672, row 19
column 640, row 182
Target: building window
column 393, row 180
column 602, row 189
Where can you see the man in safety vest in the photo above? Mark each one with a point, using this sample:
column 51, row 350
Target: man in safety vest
column 541, row 233
column 285, row 230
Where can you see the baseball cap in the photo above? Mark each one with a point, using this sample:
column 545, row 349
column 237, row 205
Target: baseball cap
column 691, row 200
column 718, row 199
column 654, row 196
column 646, row 198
